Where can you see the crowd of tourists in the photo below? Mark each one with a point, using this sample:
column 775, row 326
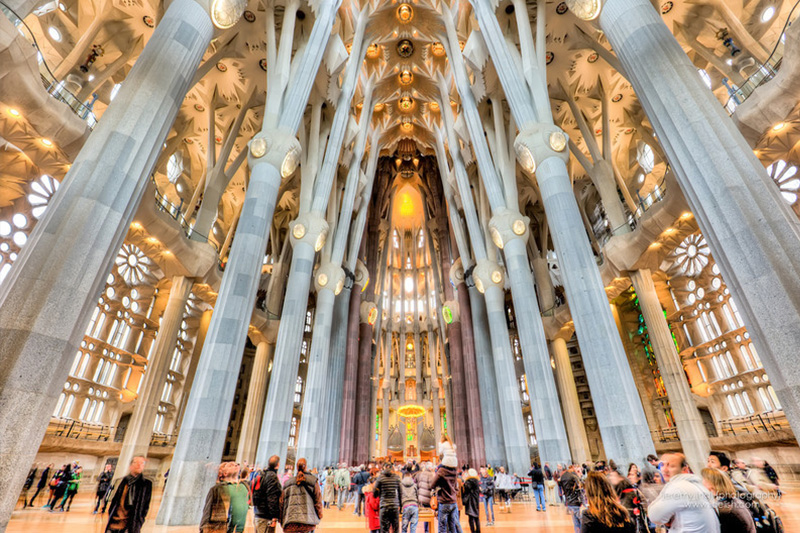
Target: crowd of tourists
column 726, row 497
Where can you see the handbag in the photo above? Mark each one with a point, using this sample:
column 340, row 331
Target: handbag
column 434, row 501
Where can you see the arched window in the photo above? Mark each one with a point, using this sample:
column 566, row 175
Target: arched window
column 702, row 372
column 61, row 399
column 645, row 157
column 739, row 403
column 293, row 432
column 523, row 388
column 175, row 167
column 531, row 433
column 298, row 390
column 774, row 398
column 733, row 368
column 762, row 394
column 732, row 406
column 747, row 402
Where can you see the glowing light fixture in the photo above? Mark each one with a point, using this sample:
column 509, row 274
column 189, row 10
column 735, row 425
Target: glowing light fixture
column 497, row 276
column 585, row 9
column 54, row 34
column 525, row 158
column 447, row 314
column 479, row 285
column 13, row 112
column 379, row 106
column 226, row 13
column 434, row 106
column 405, row 13
column 437, row 49
column 497, row 239
column 558, row 141
column 339, row 286
column 411, row 411
column 322, row 279
column 320, row 242
column 406, row 103
column 258, row 147
column 298, row 231
column 372, row 316
column 407, row 126
column 767, row 14
column 373, row 51
column 518, row 227
column 47, row 142
column 290, row 163
column 779, row 126
column 406, row 77
column 410, row 346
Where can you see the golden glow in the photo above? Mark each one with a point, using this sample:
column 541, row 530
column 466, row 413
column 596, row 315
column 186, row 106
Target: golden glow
column 669, row 230
column 47, row 142
column 406, row 77
column 411, row 411
column 373, row 51
column 136, row 225
column 406, row 103
column 167, row 252
column 779, row 126
column 153, row 240
column 405, row 13
column 654, row 245
column 13, row 112
column 437, row 49
column 687, row 215
column 434, row 106
column 410, row 346
column 379, row 107
column 407, row 208
column 407, row 126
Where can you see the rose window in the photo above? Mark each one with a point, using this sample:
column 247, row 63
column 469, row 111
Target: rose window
column 691, row 255
column 785, row 176
column 43, row 190
column 132, row 264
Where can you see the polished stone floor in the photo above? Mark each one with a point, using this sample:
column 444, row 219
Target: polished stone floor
column 522, row 518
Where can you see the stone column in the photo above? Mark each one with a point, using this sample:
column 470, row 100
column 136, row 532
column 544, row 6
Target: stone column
column 753, row 235
column 473, row 398
column 48, row 297
column 254, row 408
column 349, row 429
column 140, row 427
column 363, row 425
column 336, row 377
column 691, row 430
column 458, row 423
column 570, row 404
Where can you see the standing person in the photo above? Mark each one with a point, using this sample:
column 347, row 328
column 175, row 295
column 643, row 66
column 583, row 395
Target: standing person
column 549, row 485
column 387, row 488
column 487, row 494
column 537, row 485
column 287, row 474
column 225, row 510
column 360, row 480
column 267, row 491
column 425, row 487
column 504, row 484
column 59, row 485
column 42, row 482
column 604, row 513
column 72, row 487
column 447, row 452
column 445, row 481
column 28, row 484
column 372, row 509
column 652, row 475
column 570, row 484
column 409, row 500
column 470, row 497
column 329, row 497
column 734, row 517
column 301, row 502
column 131, row 502
column 631, row 499
column 103, row 486
column 634, row 476
column 342, row 481
column 684, row 503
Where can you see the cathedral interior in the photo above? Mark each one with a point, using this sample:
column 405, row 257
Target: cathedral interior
column 237, row 228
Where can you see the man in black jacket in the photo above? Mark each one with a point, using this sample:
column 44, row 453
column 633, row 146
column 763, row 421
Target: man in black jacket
column 131, row 502
column 42, row 482
column 359, row 480
column 387, row 488
column 571, row 486
column 267, row 497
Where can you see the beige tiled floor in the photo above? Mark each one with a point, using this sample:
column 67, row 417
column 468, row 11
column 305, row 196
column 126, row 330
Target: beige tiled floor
column 523, row 518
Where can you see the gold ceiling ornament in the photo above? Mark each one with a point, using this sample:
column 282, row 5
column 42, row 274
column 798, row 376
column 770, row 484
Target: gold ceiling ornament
column 405, row 13
column 406, row 77
column 406, row 104
column 434, row 106
column 373, row 51
column 411, row 411
column 437, row 49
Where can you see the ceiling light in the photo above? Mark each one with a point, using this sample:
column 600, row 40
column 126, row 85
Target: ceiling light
column 434, row 106
column 47, row 142
column 179, row 187
column 136, row 225
column 558, row 141
column 373, row 51
column 258, row 147
column 518, row 227
column 779, row 126
column 298, row 231
column 686, row 215
column 322, row 279
column 13, row 112
column 405, row 13
column 585, row 9
column 408, row 126
column 290, row 163
column 767, row 14
column 437, row 49
column 320, row 242
column 497, row 277
column 654, row 245
column 641, row 178
column 54, row 34
column 525, row 158
column 379, row 107
column 406, row 77
column 226, row 13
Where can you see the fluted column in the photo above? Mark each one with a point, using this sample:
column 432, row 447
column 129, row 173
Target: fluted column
column 48, row 297
column 570, row 404
column 753, row 234
column 140, row 427
column 691, row 430
column 350, row 383
column 474, row 414
column 363, row 425
column 254, row 408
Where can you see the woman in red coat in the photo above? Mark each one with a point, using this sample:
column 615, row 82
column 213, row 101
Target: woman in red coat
column 372, row 505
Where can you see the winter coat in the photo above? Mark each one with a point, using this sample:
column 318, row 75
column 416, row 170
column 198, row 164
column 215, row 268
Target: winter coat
column 330, row 493
column 142, row 490
column 104, row 483
column 45, row 477
column 537, row 477
column 216, row 509
column 447, row 452
column 687, row 505
column 387, row 488
column 470, row 496
column 487, row 486
column 408, row 492
column 267, row 491
column 342, row 479
column 445, row 480
column 734, row 517
column 425, row 486
column 571, row 486
column 301, row 504
column 361, row 479
column 373, row 511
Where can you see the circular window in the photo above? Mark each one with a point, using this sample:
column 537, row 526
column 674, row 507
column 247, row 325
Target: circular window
column 20, row 238
column 716, row 283
column 691, row 299
column 110, row 292
column 19, row 220
column 126, row 302
column 700, row 293
column 691, row 285
column 5, row 228
column 738, row 338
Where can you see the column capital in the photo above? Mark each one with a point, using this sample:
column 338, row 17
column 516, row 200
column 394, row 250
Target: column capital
column 486, row 274
column 310, row 228
column 508, row 224
column 457, row 274
column 277, row 147
column 368, row 313
column 539, row 141
column 451, row 311
column 329, row 276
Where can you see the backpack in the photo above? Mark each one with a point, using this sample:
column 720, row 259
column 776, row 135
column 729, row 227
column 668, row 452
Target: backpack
column 258, row 496
column 766, row 520
column 638, row 512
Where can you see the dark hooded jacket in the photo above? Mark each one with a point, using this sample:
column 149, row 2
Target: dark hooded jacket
column 446, row 481
column 139, row 492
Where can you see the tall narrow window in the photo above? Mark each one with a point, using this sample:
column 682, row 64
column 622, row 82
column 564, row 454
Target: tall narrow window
column 732, row 406
column 774, row 397
column 747, row 402
column 736, row 312
column 729, row 358
column 702, row 372
column 764, row 396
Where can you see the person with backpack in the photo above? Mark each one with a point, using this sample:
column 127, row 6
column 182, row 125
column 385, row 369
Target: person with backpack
column 341, row 480
column 409, row 500
column 470, row 497
column 631, row 499
column 301, row 501
column 267, row 491
column 570, row 484
column 733, row 515
column 360, row 480
column 372, row 509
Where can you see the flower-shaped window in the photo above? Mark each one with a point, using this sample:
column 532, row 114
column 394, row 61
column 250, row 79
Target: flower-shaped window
column 691, row 255
column 43, row 190
column 785, row 176
column 132, row 264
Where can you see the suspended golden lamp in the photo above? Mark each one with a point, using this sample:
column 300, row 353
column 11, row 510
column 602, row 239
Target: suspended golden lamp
column 373, row 51
column 406, row 103
column 411, row 411
column 406, row 77
column 405, row 13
